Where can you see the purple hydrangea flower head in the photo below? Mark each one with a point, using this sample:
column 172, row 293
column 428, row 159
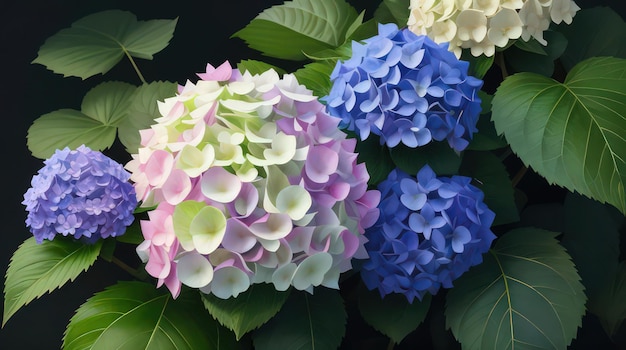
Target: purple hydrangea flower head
column 430, row 231
column 80, row 193
column 406, row 89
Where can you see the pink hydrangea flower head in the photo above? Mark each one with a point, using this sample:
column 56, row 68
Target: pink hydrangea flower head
column 253, row 182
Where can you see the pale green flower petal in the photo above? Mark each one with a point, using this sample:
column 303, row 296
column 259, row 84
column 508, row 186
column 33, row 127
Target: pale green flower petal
column 207, row 229
column 311, row 271
column 281, row 278
column 294, row 201
column 194, row 270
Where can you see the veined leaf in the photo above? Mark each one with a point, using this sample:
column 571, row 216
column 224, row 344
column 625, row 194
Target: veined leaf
column 136, row 315
column 248, row 310
column 142, row 111
column 316, row 77
column 571, row 133
column 392, row 315
column 96, row 43
column 36, row 269
column 305, row 322
column 525, row 295
column 102, row 109
column 286, row 31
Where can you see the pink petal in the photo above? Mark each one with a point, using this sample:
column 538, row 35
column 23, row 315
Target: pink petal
column 238, row 237
column 176, row 187
column 321, row 162
column 221, row 73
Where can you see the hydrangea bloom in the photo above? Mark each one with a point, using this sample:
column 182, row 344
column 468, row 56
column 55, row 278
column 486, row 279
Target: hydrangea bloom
column 430, row 231
column 406, row 89
column 80, row 193
column 483, row 25
column 253, row 183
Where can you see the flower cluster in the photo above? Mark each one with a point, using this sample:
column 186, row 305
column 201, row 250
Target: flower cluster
column 406, row 89
column 430, row 231
column 253, row 183
column 80, row 193
column 481, row 25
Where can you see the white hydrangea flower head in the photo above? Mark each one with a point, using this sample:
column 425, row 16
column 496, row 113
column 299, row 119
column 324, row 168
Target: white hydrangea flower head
column 486, row 23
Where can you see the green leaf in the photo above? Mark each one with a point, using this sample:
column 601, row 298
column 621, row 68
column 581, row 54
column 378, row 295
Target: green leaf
column 257, row 67
column 478, row 66
column 95, row 126
column 248, row 310
column 286, row 31
column 526, row 294
column 316, row 77
column 36, row 269
column 142, row 111
column 571, row 133
column 376, row 157
column 442, row 158
column 525, row 60
column 597, row 31
column 136, row 315
column 392, row 315
column 491, row 177
column 610, row 306
column 393, row 11
column 584, row 216
column 306, row 321
column 133, row 234
column 96, row 43
column 486, row 139
column 531, row 45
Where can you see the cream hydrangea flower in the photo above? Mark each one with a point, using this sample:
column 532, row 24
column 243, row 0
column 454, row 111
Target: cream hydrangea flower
column 481, row 25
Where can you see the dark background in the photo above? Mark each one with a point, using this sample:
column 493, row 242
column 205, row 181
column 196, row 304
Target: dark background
column 29, row 90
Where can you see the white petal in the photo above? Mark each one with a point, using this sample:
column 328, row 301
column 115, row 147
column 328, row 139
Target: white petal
column 194, row 270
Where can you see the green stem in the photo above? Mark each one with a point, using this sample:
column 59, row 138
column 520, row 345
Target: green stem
column 501, row 64
column 125, row 267
column 518, row 177
column 130, row 58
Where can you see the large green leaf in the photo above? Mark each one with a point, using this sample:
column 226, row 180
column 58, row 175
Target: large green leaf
column 136, row 315
column 96, row 43
column 102, row 109
column 316, row 77
column 142, row 112
column 571, row 133
column 597, row 31
column 306, row 321
column 36, row 269
column 296, row 27
column 525, row 295
column 248, row 310
column 257, row 67
column 376, row 157
column 392, row 315
column 491, row 177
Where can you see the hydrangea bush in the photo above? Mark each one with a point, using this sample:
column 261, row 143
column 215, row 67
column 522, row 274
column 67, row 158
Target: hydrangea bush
column 431, row 230
column 367, row 188
column 253, row 183
column 80, row 193
column 406, row 89
column 483, row 25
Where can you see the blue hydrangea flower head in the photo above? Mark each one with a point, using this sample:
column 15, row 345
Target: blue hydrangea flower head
column 430, row 231
column 406, row 89
column 80, row 193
